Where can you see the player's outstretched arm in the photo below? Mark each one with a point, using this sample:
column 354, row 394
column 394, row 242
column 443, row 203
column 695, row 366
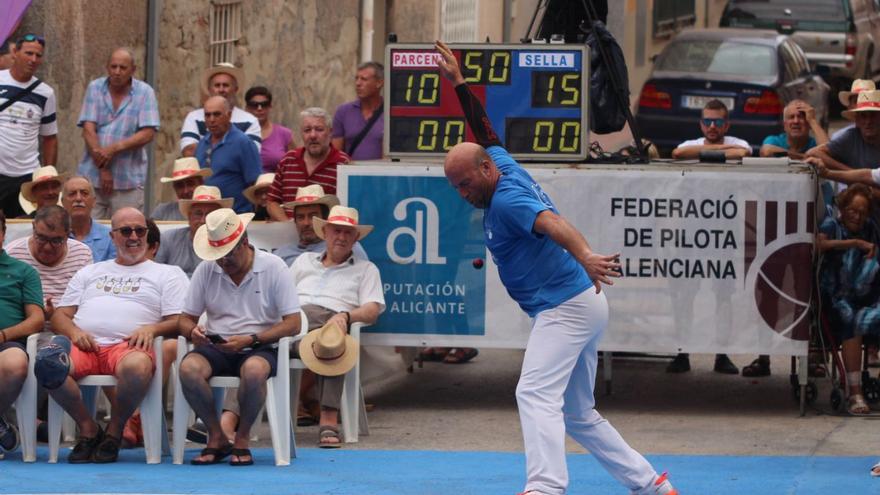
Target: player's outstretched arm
column 470, row 105
column 601, row 268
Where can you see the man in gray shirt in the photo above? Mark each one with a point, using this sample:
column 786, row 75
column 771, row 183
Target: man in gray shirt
column 176, row 247
column 858, row 147
column 186, row 176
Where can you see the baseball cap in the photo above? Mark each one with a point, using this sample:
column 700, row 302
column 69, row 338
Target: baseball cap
column 53, row 362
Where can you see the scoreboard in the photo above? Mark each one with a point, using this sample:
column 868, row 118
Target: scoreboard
column 534, row 95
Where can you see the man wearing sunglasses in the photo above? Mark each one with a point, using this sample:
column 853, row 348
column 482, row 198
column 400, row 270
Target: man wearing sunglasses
column 714, row 124
column 28, row 128
column 110, row 312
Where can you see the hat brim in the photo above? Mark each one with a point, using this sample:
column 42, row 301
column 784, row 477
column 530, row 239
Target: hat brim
column 250, row 192
column 186, row 204
column 235, row 72
column 329, row 367
column 203, row 172
column 27, row 187
column 208, row 252
column 843, row 97
column 318, row 224
column 851, row 114
column 328, row 200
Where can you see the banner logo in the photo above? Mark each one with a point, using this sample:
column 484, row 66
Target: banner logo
column 426, row 243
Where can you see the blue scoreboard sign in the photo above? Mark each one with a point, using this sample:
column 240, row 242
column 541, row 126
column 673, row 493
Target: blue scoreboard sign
column 535, row 96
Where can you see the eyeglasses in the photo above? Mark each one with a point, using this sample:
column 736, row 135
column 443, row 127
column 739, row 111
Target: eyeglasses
column 55, row 241
column 717, row 122
column 126, row 231
column 30, row 38
column 259, row 104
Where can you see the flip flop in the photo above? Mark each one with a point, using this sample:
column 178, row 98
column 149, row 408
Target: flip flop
column 219, row 455
column 241, row 453
column 328, row 432
column 875, row 470
column 460, row 356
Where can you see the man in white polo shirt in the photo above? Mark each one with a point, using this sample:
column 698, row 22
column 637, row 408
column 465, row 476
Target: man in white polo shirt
column 251, row 303
column 335, row 286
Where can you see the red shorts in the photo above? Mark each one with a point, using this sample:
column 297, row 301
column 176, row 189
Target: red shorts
column 104, row 361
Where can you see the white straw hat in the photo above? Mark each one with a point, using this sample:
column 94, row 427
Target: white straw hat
column 184, row 168
column 204, row 195
column 341, row 215
column 222, row 230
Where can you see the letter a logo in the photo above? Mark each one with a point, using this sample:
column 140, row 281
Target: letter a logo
column 425, row 234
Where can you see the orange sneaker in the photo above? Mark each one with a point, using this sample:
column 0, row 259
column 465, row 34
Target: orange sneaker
column 660, row 486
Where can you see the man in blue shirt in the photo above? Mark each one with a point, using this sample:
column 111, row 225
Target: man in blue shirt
column 78, row 198
column 547, row 267
column 798, row 119
column 229, row 153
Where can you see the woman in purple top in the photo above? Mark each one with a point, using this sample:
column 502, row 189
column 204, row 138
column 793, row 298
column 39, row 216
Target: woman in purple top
column 277, row 139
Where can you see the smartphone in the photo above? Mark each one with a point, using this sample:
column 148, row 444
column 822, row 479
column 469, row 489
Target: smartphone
column 216, row 339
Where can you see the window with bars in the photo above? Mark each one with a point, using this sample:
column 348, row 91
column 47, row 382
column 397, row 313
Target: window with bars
column 225, row 30
column 458, row 21
column 670, row 16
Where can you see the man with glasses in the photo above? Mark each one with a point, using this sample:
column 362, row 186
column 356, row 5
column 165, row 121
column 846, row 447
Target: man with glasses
column 78, row 198
column 233, row 158
column 119, row 117
column 358, row 125
column 176, row 246
column 27, row 124
column 314, row 163
column 220, row 80
column 110, row 312
column 714, row 125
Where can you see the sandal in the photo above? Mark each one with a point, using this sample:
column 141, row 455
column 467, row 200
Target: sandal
column 875, row 470
column 431, row 354
column 460, row 355
column 328, row 433
column 857, row 406
column 241, row 453
column 218, row 455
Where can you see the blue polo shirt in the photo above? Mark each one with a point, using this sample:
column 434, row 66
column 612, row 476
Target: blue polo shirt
column 98, row 240
column 536, row 271
column 235, row 162
column 781, row 140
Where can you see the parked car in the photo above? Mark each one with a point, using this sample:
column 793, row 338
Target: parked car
column 754, row 73
column 839, row 35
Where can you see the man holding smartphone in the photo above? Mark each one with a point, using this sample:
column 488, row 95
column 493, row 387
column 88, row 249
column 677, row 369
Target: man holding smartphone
column 798, row 120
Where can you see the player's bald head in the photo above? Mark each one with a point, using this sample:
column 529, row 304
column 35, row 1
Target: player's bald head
column 464, row 155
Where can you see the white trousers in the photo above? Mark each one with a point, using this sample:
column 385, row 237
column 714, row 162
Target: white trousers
column 555, row 397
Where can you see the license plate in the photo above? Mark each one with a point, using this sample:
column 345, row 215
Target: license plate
column 697, row 102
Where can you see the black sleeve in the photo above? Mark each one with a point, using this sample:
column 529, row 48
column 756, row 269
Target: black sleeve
column 476, row 117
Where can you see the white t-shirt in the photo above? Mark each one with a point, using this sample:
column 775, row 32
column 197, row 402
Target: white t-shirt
column 194, row 127
column 875, row 174
column 113, row 300
column 727, row 140
column 22, row 123
column 343, row 287
column 263, row 298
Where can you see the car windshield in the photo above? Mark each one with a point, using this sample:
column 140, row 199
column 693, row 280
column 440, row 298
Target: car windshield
column 746, row 11
column 719, row 57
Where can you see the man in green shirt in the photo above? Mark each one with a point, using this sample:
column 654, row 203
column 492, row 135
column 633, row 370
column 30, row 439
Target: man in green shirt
column 21, row 314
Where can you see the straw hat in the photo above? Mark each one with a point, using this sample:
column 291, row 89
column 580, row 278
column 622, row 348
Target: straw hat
column 857, row 87
column 329, row 351
column 204, row 195
column 869, row 101
column 341, row 215
column 184, row 168
column 220, row 234
column 41, row 175
column 312, row 195
column 221, row 68
column 263, row 181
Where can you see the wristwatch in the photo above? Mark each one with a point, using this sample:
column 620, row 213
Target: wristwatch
column 255, row 341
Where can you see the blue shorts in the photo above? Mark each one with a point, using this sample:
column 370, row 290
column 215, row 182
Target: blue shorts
column 229, row 364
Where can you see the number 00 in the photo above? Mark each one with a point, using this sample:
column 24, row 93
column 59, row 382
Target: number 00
column 569, row 136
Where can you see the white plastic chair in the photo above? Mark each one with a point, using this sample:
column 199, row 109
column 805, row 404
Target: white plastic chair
column 277, row 402
column 26, row 406
column 352, row 395
column 153, row 418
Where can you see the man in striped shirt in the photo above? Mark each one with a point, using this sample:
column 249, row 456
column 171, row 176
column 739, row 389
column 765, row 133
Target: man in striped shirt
column 313, row 163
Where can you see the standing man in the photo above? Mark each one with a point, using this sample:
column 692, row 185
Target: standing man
column 358, row 125
column 859, row 146
column 185, row 178
column 220, row 80
column 176, row 245
column 251, row 303
column 119, row 117
column 27, row 121
column 5, row 55
column 78, row 198
column 314, row 163
column 232, row 157
column 550, row 270
column 714, row 126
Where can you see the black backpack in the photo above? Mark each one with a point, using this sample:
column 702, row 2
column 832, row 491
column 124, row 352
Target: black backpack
column 606, row 115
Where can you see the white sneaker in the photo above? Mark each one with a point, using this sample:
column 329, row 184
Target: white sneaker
column 660, row 486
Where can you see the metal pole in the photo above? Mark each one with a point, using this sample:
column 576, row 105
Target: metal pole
column 151, row 72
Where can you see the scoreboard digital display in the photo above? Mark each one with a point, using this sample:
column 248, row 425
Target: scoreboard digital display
column 534, row 95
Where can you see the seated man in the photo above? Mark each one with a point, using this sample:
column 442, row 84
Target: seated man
column 176, row 246
column 338, row 288
column 42, row 190
column 185, row 178
column 714, row 125
column 258, row 193
column 21, row 314
column 251, row 303
column 111, row 312
column 798, row 119
column 78, row 198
